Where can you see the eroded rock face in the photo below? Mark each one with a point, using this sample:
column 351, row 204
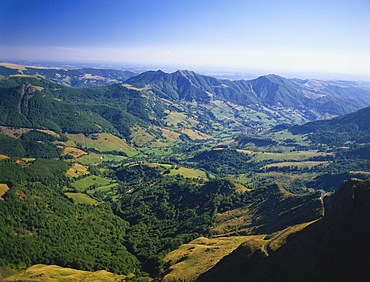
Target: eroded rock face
column 27, row 89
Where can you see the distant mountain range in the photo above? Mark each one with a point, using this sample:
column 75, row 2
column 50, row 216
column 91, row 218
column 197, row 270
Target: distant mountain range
column 193, row 105
column 85, row 77
column 310, row 99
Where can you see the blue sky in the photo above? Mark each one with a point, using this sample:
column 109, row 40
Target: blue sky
column 309, row 36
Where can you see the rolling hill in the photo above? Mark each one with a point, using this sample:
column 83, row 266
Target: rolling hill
column 83, row 77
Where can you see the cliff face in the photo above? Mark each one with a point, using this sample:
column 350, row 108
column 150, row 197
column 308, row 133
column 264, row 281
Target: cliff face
column 335, row 248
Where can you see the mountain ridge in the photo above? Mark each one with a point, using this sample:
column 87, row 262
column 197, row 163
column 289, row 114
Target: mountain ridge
column 254, row 104
column 335, row 247
column 76, row 77
column 271, row 91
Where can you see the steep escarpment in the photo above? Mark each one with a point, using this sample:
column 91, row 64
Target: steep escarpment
column 335, row 248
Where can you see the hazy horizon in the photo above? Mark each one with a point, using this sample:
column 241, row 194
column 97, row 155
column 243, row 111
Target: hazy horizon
column 277, row 37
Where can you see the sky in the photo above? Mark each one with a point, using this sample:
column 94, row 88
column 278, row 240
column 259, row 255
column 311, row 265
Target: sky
column 328, row 36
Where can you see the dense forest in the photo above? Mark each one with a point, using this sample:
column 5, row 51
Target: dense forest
column 150, row 215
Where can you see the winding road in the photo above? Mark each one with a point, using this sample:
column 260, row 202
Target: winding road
column 266, row 246
column 323, row 195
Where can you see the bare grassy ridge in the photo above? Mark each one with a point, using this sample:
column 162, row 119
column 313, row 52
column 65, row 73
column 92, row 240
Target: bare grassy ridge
column 13, row 66
column 3, row 189
column 54, row 273
column 275, row 210
column 276, row 244
column 192, row 259
column 332, row 248
column 100, row 141
column 301, row 164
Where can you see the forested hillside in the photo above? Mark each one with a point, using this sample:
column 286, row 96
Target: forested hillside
column 353, row 127
column 149, row 215
column 30, row 102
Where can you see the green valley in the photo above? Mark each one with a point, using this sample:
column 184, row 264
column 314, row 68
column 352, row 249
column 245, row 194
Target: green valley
column 175, row 176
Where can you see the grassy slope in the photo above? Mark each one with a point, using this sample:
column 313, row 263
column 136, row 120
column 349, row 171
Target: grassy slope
column 54, row 273
column 192, row 259
column 77, row 170
column 80, row 198
column 275, row 209
column 301, row 164
column 333, row 248
column 3, row 189
column 95, row 159
column 84, row 183
column 101, row 142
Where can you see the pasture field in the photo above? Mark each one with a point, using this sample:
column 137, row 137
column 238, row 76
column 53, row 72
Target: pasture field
column 95, row 159
column 302, row 164
column 174, row 118
column 81, row 198
column 159, row 151
column 285, row 134
column 195, row 134
column 189, row 172
column 294, row 156
column 186, row 172
column 106, row 188
column 83, row 184
column 74, row 152
column 170, row 135
column 129, row 86
column 100, row 141
column 222, row 114
column 77, row 170
column 140, row 137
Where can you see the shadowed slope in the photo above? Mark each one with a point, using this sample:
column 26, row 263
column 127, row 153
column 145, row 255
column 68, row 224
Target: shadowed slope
column 335, row 248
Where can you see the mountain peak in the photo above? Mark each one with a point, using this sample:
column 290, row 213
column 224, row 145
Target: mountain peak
column 185, row 72
column 272, row 77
